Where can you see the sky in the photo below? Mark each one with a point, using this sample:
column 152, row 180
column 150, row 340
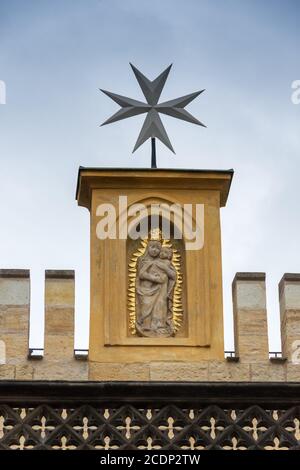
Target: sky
column 54, row 57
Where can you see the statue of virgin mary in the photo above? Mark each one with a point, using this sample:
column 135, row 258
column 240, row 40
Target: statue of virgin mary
column 155, row 282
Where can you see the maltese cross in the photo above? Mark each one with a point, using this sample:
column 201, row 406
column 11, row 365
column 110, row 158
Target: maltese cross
column 153, row 126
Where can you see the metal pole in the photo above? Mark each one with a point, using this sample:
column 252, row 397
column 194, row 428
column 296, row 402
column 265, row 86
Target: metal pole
column 153, row 153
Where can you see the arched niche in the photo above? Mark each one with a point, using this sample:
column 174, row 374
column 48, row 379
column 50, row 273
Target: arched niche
column 136, row 249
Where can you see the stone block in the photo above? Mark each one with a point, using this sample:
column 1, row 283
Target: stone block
column 253, row 348
column 59, row 320
column 14, row 319
column 289, row 297
column 64, row 370
column 59, row 347
column 291, row 323
column 293, row 372
column 251, row 294
column 59, row 292
column 24, row 372
column 223, row 371
column 16, row 347
column 119, row 371
column 292, row 295
column 7, row 372
column 179, row 371
column 272, row 372
column 250, row 317
column 14, row 291
column 252, row 322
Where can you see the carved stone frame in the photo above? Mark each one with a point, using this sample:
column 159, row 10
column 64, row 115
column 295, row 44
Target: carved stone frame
column 109, row 340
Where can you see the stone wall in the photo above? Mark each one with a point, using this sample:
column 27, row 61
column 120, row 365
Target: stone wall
column 58, row 361
column 251, row 361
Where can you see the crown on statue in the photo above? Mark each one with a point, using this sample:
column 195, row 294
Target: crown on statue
column 156, row 234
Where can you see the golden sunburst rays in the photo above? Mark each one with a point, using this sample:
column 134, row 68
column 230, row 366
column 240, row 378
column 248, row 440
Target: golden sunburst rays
column 177, row 294
column 131, row 294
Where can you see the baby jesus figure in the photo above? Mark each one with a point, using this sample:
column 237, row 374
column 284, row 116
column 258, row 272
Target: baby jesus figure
column 155, row 286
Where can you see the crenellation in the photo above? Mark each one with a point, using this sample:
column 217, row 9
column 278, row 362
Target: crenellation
column 251, row 364
column 14, row 314
column 250, row 317
column 14, row 273
column 59, row 362
column 289, row 299
column 59, row 314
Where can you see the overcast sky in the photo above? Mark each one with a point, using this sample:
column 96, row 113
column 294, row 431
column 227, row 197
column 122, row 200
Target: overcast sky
column 55, row 54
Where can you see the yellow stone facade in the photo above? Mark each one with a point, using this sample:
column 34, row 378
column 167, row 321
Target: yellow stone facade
column 59, row 363
column 113, row 355
column 110, row 340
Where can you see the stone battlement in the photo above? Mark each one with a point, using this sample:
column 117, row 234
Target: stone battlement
column 250, row 363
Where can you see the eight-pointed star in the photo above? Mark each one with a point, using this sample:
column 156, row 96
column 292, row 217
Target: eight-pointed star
column 153, row 126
